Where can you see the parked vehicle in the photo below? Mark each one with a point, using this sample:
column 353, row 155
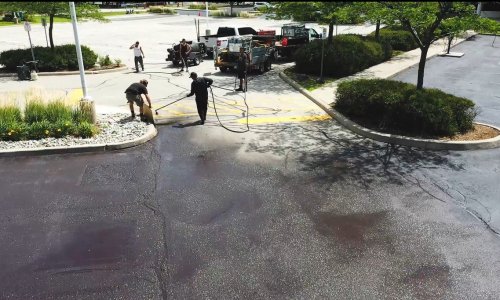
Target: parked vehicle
column 261, row 54
column 198, row 51
column 258, row 5
column 220, row 39
column 293, row 36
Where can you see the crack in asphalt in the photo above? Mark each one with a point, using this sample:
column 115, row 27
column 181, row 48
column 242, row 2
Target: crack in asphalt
column 160, row 269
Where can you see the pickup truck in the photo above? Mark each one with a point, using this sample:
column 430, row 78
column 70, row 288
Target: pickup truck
column 220, row 39
column 293, row 36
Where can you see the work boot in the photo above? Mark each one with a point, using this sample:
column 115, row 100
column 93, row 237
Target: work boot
column 239, row 89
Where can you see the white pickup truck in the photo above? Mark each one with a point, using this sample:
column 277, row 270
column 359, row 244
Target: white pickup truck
column 220, row 39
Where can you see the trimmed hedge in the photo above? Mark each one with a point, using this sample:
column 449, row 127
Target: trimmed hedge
column 399, row 39
column 42, row 120
column 348, row 54
column 398, row 107
column 62, row 58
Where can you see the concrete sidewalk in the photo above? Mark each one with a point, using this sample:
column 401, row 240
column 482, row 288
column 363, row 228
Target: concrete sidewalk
column 388, row 69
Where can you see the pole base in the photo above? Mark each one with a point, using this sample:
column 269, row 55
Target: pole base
column 320, row 80
column 88, row 106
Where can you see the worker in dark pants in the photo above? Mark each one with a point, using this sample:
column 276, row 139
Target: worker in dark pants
column 241, row 68
column 199, row 88
column 185, row 50
column 134, row 95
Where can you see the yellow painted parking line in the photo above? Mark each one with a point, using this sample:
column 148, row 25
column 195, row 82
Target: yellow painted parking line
column 74, row 96
column 286, row 119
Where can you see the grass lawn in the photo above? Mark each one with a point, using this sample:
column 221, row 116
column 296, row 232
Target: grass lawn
column 309, row 82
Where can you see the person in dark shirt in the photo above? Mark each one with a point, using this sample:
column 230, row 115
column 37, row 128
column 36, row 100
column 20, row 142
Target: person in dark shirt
column 134, row 94
column 241, row 68
column 185, row 50
column 199, row 88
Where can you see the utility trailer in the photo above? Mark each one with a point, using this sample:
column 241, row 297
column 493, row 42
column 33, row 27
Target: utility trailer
column 261, row 54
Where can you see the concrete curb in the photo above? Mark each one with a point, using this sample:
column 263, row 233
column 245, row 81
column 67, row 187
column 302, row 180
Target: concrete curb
column 397, row 139
column 150, row 134
column 70, row 72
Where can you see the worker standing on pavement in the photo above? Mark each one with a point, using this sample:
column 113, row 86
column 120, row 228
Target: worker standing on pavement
column 138, row 56
column 199, row 88
column 241, row 67
column 134, row 94
column 185, row 50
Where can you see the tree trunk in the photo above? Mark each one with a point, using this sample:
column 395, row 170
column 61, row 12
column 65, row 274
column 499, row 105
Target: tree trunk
column 51, row 26
column 421, row 67
column 450, row 39
column 231, row 8
column 377, row 31
column 330, row 33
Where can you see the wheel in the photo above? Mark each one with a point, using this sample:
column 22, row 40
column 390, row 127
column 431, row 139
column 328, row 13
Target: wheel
column 267, row 65
column 175, row 62
column 196, row 61
column 261, row 68
column 223, row 69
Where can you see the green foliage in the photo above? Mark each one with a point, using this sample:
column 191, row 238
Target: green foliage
column 10, row 113
column 202, row 6
column 82, row 114
column 35, row 111
column 161, row 10
column 347, row 55
column 397, row 107
column 42, row 120
column 58, row 111
column 12, row 130
column 104, row 61
column 401, row 40
column 61, row 58
column 39, row 130
column 85, row 130
column 118, row 62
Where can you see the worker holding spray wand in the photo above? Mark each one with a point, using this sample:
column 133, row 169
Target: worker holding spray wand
column 199, row 88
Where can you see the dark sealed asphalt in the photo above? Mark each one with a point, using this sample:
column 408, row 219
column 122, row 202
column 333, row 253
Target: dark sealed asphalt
column 476, row 75
column 305, row 211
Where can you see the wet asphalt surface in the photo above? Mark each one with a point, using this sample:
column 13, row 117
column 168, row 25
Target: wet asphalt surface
column 304, row 210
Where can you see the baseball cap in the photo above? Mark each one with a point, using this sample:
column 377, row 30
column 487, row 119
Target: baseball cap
column 193, row 75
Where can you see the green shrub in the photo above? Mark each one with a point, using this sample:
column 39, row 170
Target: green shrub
column 82, row 114
column 58, row 111
column 118, row 62
column 62, row 128
column 61, row 58
column 39, row 130
column 161, row 10
column 202, row 6
column 399, row 39
column 105, row 61
column 10, row 114
column 393, row 106
column 12, row 131
column 346, row 55
column 84, row 130
column 35, row 111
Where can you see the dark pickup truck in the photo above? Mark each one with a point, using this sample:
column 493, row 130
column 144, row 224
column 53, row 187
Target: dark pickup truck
column 294, row 36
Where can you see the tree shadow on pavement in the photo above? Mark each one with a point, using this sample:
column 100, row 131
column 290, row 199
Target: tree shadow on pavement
column 334, row 154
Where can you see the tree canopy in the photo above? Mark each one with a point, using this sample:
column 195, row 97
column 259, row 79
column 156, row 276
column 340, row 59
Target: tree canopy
column 84, row 10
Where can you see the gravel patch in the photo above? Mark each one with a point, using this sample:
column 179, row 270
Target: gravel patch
column 114, row 128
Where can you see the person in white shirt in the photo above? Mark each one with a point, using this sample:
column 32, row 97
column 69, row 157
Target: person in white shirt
column 138, row 56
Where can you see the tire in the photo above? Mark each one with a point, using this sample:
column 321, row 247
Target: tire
column 223, row 69
column 261, row 68
column 196, row 61
column 175, row 62
column 267, row 65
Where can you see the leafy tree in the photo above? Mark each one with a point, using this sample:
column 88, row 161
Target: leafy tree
column 323, row 12
column 426, row 21
column 84, row 10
